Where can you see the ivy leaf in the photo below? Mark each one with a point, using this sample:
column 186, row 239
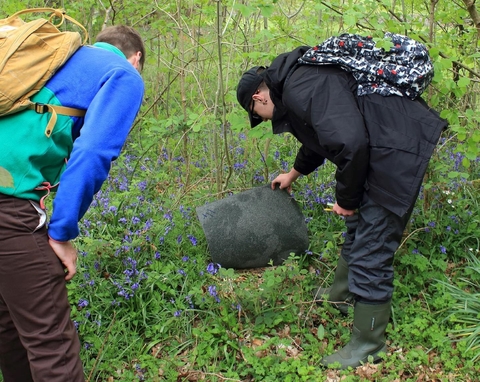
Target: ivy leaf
column 6, row 179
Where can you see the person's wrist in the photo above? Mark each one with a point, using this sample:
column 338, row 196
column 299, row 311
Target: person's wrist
column 57, row 241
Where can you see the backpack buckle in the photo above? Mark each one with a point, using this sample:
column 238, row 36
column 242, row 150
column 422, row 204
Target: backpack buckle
column 40, row 108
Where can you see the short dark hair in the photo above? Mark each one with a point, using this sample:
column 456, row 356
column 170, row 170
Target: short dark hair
column 125, row 38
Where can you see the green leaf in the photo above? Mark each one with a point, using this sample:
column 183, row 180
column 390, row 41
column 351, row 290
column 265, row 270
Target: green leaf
column 476, row 136
column 266, row 10
column 321, row 332
column 464, row 81
column 245, row 10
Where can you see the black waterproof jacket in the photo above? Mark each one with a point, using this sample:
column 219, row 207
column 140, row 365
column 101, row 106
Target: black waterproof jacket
column 380, row 145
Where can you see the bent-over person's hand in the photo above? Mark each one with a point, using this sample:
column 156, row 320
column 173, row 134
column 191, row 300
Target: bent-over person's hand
column 342, row 211
column 67, row 254
column 286, row 180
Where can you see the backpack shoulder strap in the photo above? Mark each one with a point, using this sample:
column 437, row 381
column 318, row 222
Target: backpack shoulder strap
column 42, row 108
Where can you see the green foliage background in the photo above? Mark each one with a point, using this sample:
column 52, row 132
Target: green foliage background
column 148, row 305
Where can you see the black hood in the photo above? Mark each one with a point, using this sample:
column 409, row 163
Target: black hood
column 280, row 70
column 275, row 77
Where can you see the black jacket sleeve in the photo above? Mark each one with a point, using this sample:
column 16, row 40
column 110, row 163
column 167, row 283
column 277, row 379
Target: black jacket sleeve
column 307, row 160
column 323, row 99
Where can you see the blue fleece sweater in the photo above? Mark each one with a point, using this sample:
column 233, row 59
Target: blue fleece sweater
column 111, row 90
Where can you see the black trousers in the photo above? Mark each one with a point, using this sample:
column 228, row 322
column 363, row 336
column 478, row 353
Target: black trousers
column 38, row 341
column 373, row 235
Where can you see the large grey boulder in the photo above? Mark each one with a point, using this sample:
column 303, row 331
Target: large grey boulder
column 248, row 229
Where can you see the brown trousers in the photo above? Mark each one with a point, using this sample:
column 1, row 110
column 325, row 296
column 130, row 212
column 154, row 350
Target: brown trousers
column 38, row 341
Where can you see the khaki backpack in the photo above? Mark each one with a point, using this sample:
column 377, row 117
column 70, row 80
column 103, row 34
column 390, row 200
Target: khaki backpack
column 30, row 53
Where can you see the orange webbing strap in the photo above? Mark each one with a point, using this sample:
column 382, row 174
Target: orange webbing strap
column 45, row 186
column 60, row 13
column 42, row 108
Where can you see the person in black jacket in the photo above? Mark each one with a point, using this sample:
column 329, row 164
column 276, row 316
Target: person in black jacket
column 381, row 146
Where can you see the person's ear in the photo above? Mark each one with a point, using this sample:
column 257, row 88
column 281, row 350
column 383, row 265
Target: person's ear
column 134, row 59
column 257, row 96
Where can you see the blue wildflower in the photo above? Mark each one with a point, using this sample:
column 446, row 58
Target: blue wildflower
column 213, row 268
column 192, row 239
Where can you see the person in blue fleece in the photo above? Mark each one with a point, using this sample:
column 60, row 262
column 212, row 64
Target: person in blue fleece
column 38, row 340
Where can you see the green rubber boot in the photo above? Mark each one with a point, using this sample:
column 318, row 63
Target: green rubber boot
column 367, row 340
column 337, row 294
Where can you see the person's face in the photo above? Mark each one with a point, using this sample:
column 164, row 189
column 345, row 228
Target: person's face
column 262, row 105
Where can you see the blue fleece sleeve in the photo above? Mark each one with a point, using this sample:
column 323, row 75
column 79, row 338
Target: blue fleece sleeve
column 109, row 117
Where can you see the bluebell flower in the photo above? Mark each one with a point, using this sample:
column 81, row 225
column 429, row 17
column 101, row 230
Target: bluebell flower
column 192, row 239
column 213, row 268
column 212, row 290
column 239, row 166
column 258, row 178
column 82, row 303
